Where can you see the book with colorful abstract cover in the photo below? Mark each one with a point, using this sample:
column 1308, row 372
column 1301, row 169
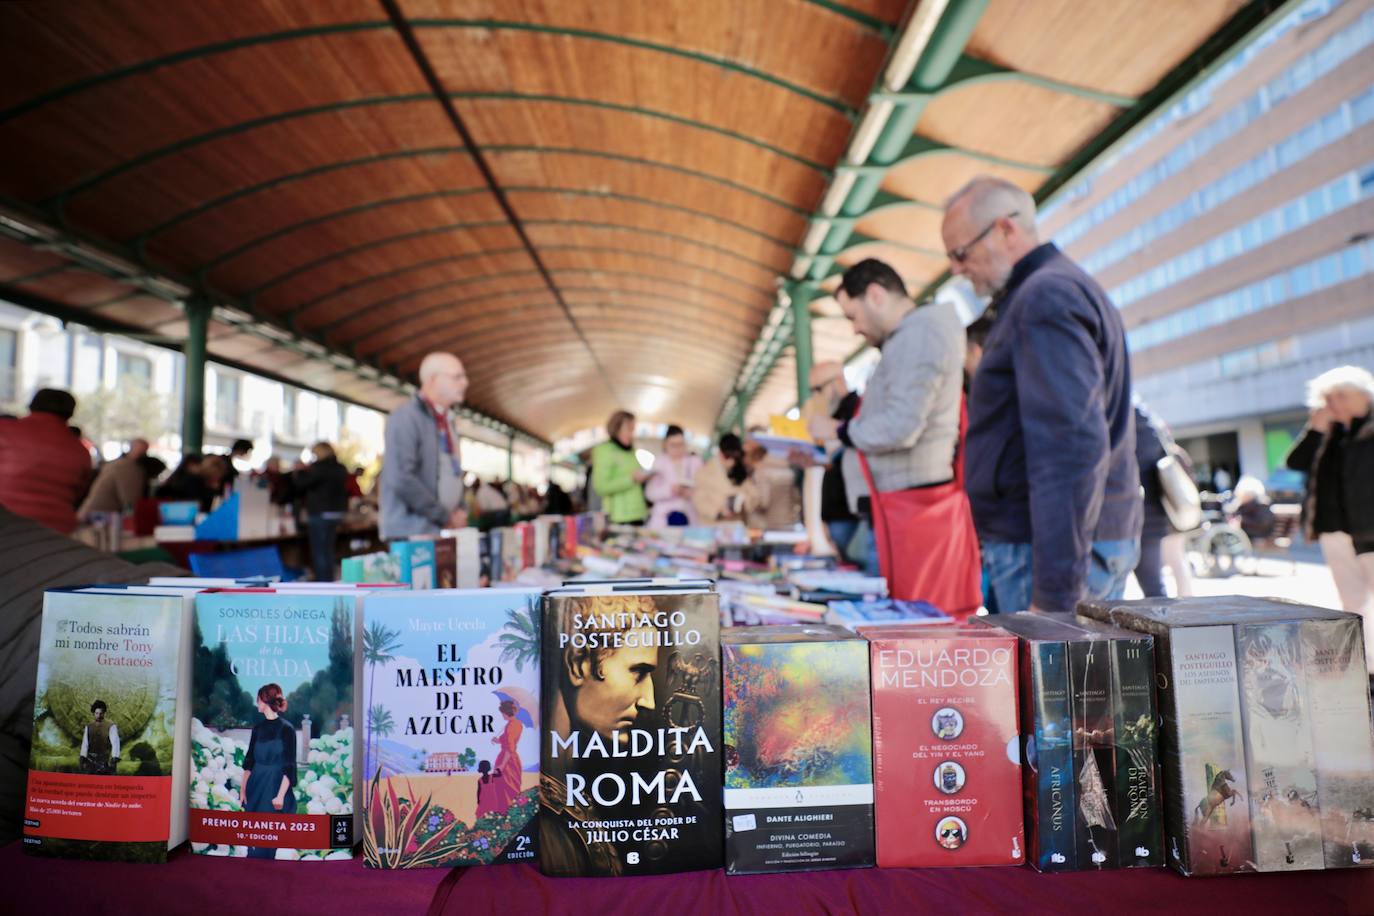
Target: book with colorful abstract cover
column 451, row 742
column 272, row 740
column 798, row 749
column 111, row 728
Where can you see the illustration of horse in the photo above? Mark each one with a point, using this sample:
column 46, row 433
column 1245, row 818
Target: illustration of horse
column 1221, row 791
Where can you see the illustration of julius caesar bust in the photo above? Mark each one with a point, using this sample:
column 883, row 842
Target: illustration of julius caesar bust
column 604, row 689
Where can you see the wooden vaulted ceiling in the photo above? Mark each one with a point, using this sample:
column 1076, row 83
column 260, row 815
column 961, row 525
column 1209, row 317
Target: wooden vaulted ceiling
column 659, row 158
column 592, row 203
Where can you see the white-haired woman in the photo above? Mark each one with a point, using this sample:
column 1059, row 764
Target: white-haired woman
column 1337, row 452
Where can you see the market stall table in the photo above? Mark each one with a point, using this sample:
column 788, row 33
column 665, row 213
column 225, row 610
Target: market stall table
column 195, row 884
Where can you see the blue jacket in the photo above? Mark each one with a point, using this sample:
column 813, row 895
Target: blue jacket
column 1051, row 437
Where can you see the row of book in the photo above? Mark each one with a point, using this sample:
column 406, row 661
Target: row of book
column 468, row 558
column 613, row 728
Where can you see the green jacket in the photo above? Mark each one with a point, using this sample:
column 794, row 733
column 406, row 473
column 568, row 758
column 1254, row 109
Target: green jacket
column 613, row 471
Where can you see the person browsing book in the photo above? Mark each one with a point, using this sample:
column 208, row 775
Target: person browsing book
column 1052, row 474
column 670, row 489
column 422, row 477
column 616, row 474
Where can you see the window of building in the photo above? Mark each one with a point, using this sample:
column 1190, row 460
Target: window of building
column 227, row 394
column 135, row 369
column 9, row 365
column 290, row 414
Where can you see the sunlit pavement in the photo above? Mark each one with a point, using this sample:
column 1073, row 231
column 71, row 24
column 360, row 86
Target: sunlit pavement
column 1304, row 578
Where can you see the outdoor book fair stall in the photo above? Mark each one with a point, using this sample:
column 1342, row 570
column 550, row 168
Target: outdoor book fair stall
column 604, row 206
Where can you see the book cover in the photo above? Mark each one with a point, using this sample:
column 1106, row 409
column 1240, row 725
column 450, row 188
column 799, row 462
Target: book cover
column 416, row 560
column 798, row 749
column 451, row 734
column 1094, row 758
column 946, row 747
column 496, row 552
column 883, row 611
column 469, row 541
column 378, row 567
column 1047, row 773
column 111, row 727
column 1279, row 756
column 272, row 752
column 630, row 760
column 1333, row 663
column 1139, row 817
column 446, row 562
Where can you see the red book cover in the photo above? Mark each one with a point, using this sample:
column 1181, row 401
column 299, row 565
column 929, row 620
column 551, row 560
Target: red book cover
column 946, row 747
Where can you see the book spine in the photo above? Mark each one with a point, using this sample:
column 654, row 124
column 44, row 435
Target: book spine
column 1137, row 764
column 1094, row 764
column 1048, row 771
column 1208, row 814
column 1334, row 669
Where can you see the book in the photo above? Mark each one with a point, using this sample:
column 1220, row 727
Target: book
column 451, row 727
column 111, row 728
column 1280, row 759
column 946, row 747
column 884, row 611
column 1138, row 804
column 1333, row 666
column 798, row 749
column 445, row 562
column 1094, row 760
column 273, row 755
column 630, row 763
column 379, row 566
column 1049, row 789
column 416, row 561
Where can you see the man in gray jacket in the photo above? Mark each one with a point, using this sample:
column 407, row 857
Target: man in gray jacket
column 422, row 472
column 908, row 426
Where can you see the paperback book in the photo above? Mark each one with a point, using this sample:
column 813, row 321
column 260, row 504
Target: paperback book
column 111, row 727
column 275, row 704
column 798, row 749
column 451, row 736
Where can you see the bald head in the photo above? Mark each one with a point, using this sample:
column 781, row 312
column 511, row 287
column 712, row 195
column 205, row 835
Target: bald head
column 443, row 382
column 989, row 225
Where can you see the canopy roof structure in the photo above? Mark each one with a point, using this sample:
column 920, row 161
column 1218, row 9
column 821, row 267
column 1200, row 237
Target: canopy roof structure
column 594, row 204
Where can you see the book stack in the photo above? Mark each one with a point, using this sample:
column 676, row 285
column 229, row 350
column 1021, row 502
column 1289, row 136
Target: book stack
column 1090, row 771
column 1266, row 741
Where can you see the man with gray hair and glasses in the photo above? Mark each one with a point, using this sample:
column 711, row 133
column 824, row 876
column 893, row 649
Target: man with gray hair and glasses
column 1051, row 471
column 422, row 472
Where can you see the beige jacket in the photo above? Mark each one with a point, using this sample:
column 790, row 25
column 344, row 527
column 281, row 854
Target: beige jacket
column 712, row 491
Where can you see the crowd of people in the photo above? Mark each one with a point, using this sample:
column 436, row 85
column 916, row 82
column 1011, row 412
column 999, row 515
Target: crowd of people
column 1006, row 463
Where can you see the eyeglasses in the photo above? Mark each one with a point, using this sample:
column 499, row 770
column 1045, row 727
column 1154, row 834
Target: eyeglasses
column 960, row 254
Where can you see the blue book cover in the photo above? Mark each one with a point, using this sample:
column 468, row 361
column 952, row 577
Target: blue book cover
column 451, row 737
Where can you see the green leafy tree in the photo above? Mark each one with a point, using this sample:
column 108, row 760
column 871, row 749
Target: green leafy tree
column 379, row 642
column 519, row 639
column 329, row 694
column 219, row 700
column 127, row 411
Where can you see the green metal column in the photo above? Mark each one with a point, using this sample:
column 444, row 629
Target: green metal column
column 800, row 294
column 193, row 391
column 510, row 456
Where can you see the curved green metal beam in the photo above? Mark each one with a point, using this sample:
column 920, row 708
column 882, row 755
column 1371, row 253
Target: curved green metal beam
column 60, row 199
column 201, row 52
column 284, row 231
column 870, row 22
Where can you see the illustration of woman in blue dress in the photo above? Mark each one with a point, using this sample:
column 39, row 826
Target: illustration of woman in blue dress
column 269, row 768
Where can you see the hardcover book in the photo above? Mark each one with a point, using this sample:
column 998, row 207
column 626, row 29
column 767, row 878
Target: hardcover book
column 451, row 736
column 274, row 700
column 1333, row 663
column 1094, row 760
column 946, row 747
column 378, row 567
column 881, row 611
column 111, row 727
column 1279, row 756
column 798, row 749
column 416, row 560
column 1138, row 804
column 446, row 562
column 1047, row 772
column 630, row 759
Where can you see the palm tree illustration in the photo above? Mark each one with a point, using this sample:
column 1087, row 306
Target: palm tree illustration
column 380, row 723
column 519, row 639
column 379, row 642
